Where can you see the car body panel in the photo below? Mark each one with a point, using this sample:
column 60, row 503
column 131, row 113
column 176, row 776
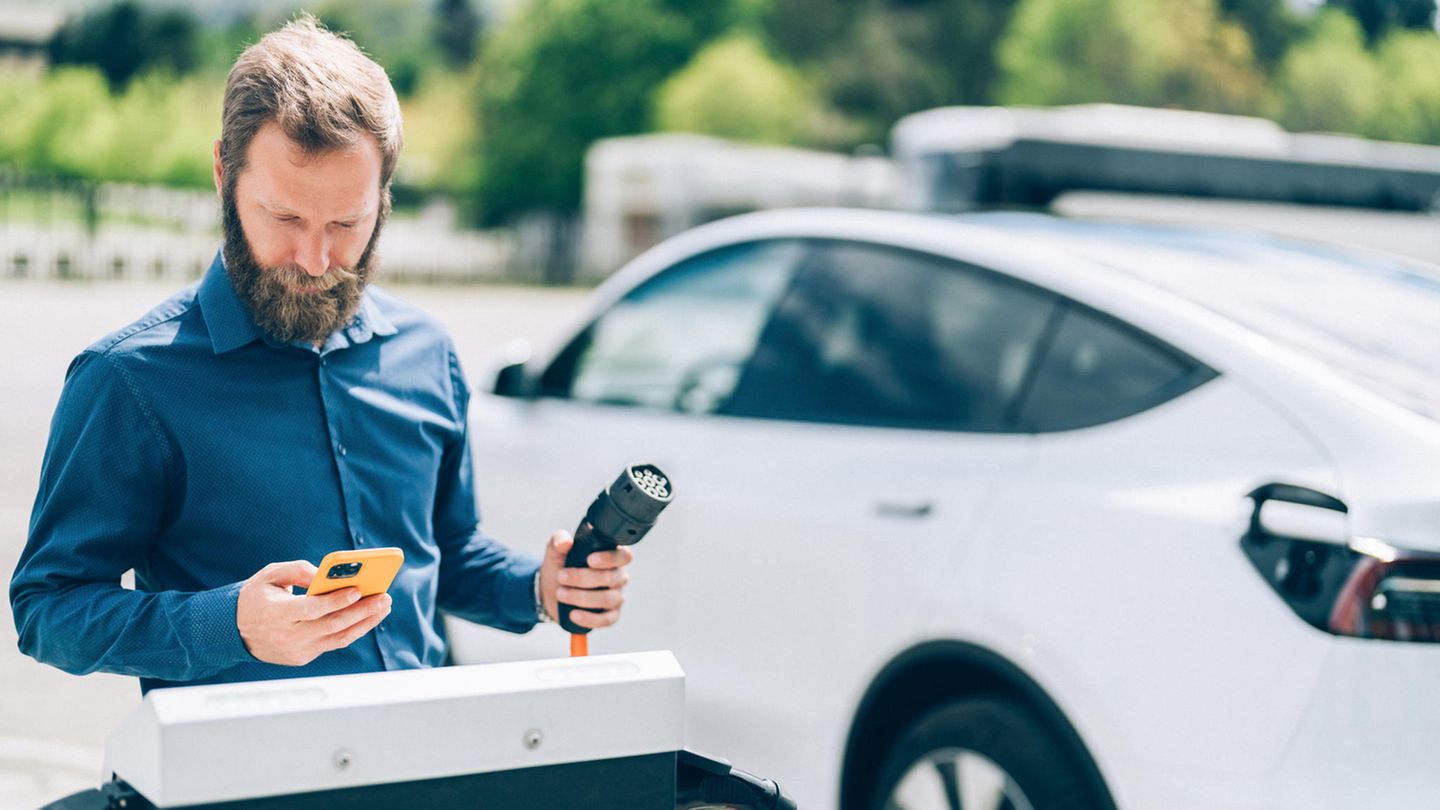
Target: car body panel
column 1103, row 562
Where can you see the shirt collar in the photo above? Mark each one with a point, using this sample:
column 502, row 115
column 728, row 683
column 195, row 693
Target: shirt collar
column 231, row 326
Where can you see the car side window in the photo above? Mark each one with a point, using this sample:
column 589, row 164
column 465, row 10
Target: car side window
column 1098, row 370
column 679, row 340
column 873, row 335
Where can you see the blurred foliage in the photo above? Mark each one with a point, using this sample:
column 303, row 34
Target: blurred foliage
column 441, row 151
column 395, row 33
column 1380, row 17
column 457, row 32
column 1332, row 82
column 68, row 123
column 1272, row 27
column 126, row 38
column 879, row 60
column 499, row 114
column 1409, row 107
column 1158, row 53
column 1329, row 82
column 566, row 73
column 735, row 89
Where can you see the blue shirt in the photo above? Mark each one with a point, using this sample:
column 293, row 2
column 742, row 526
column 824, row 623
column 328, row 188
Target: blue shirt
column 194, row 449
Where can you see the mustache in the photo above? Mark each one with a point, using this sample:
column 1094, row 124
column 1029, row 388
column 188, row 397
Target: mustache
column 295, row 276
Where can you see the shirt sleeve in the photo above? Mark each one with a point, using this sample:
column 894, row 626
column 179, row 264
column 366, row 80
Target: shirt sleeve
column 480, row 580
column 98, row 511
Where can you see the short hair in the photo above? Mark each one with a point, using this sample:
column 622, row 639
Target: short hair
column 322, row 90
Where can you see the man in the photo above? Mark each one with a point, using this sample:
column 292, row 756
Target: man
column 275, row 411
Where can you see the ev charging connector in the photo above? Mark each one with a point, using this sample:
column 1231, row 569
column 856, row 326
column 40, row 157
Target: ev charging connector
column 619, row 516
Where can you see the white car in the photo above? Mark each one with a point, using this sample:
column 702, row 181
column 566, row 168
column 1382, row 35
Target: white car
column 1010, row 511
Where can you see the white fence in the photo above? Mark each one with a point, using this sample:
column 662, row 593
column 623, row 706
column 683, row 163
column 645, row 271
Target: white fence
column 53, row 229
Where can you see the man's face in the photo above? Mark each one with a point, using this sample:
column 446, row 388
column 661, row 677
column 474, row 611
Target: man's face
column 300, row 233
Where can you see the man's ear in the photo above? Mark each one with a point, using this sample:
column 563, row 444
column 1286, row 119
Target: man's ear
column 219, row 172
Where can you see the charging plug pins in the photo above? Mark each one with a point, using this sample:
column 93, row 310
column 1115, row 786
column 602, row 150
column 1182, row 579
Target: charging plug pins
column 650, row 483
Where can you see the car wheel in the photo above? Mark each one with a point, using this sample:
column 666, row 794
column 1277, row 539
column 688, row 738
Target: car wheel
column 980, row 754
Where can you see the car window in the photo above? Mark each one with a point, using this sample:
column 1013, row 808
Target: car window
column 1098, row 370
column 871, row 335
column 679, row 340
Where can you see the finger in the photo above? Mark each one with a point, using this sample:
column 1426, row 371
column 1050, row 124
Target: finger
column 288, row 574
column 594, row 577
column 313, row 607
column 349, row 635
column 595, row 620
column 618, row 557
column 347, row 617
column 604, row 599
column 558, row 545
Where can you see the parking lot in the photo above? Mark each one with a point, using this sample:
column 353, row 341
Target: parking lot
column 53, row 725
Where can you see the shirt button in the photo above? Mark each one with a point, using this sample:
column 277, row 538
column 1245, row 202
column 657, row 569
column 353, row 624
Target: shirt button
column 359, row 540
column 340, row 448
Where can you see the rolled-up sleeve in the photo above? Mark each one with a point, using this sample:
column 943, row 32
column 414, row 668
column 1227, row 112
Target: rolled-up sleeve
column 101, row 500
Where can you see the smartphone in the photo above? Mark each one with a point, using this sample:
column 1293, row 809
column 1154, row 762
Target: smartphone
column 369, row 569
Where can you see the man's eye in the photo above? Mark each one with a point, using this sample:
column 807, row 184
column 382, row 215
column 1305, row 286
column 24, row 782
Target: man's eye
column 287, row 220
column 346, row 225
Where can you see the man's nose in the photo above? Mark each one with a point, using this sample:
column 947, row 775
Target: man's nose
column 314, row 255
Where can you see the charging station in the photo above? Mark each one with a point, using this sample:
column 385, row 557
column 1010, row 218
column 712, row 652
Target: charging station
column 564, row 734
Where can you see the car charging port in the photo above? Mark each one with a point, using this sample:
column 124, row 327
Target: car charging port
column 1346, row 586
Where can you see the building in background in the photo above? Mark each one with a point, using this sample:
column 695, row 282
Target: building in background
column 640, row 190
column 1098, row 160
column 1173, row 166
column 25, row 34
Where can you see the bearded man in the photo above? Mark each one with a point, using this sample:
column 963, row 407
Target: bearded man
column 277, row 410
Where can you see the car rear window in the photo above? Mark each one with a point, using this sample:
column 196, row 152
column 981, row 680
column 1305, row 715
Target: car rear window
column 1373, row 318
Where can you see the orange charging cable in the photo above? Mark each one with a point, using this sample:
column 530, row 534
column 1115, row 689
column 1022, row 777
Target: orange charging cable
column 579, row 645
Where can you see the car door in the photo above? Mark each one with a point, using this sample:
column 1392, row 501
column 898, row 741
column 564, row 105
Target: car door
column 834, row 417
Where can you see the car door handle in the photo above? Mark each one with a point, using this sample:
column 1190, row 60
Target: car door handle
column 912, row 510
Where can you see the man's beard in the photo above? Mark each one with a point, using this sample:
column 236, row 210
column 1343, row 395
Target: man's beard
column 286, row 302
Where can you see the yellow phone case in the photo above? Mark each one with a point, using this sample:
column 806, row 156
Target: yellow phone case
column 369, row 569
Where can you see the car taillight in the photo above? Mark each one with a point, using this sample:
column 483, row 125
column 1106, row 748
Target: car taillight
column 1348, row 586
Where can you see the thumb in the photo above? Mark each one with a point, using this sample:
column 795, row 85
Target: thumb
column 557, row 548
column 288, row 574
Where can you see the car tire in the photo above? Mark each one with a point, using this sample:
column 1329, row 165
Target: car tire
column 988, row 753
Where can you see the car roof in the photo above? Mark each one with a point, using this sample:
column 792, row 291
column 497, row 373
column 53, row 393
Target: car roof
column 1116, row 244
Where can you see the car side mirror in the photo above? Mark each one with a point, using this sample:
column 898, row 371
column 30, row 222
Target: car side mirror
column 511, row 380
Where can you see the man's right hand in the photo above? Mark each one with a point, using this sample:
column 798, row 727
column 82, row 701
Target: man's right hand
column 279, row 627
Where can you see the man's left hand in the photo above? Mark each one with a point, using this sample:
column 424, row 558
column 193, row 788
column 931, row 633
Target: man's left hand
column 600, row 587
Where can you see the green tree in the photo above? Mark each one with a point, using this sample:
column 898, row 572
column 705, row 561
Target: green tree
column 735, row 89
column 804, row 30
column 457, row 30
column 68, row 123
column 1379, row 17
column 1409, row 108
column 441, row 139
column 882, row 59
column 125, row 38
column 566, row 73
column 1272, row 27
column 395, row 33
column 874, row 77
column 1162, row 53
column 1329, row 82
column 959, row 38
